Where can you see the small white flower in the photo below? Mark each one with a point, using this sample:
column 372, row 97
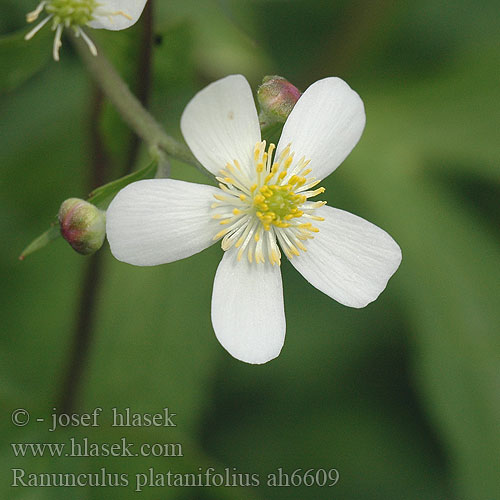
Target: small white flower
column 263, row 201
column 107, row 14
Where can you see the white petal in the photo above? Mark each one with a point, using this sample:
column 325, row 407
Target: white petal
column 325, row 125
column 350, row 259
column 220, row 124
column 247, row 309
column 116, row 13
column 156, row 221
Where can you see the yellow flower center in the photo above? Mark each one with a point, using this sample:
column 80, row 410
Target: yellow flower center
column 277, row 205
column 265, row 204
column 72, row 12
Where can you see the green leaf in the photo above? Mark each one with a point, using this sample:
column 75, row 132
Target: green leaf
column 100, row 197
column 21, row 59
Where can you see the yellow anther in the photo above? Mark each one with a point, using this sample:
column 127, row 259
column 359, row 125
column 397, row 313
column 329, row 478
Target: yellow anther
column 220, row 234
column 301, row 245
column 273, row 209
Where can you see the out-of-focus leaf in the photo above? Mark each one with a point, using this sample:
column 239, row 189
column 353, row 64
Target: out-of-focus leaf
column 450, row 270
column 221, row 46
column 21, row 59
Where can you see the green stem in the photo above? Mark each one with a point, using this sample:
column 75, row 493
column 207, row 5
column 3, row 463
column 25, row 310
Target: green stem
column 130, row 109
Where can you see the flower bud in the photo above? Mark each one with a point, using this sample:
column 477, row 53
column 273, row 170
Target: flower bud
column 83, row 225
column 277, row 97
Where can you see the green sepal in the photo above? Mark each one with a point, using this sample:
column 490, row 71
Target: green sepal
column 100, row 197
column 44, row 239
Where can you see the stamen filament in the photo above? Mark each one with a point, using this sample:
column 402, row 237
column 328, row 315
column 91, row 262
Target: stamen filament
column 57, row 42
column 88, row 41
column 267, row 206
column 38, row 27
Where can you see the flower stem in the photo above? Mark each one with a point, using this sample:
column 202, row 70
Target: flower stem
column 129, row 107
column 83, row 335
column 85, row 313
column 143, row 84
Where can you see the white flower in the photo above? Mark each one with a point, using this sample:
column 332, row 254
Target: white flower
column 261, row 203
column 107, row 14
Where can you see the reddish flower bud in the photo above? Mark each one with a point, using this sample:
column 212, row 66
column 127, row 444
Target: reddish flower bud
column 83, row 225
column 277, row 97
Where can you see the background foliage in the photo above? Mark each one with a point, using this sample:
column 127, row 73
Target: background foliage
column 402, row 397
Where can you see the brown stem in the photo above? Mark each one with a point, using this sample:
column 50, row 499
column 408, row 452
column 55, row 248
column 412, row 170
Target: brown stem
column 100, row 159
column 84, row 325
column 84, row 322
column 82, row 338
column 144, row 81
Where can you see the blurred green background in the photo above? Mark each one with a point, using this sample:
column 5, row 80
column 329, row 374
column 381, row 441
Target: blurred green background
column 402, row 397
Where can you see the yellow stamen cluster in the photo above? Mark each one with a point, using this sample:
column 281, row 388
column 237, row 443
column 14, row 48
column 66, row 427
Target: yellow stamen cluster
column 277, row 205
column 266, row 204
